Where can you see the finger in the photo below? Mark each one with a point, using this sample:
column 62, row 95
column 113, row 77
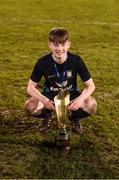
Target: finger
column 71, row 101
column 52, row 106
column 72, row 104
column 71, row 108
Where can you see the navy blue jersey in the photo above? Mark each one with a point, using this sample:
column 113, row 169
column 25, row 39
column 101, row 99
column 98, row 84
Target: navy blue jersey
column 60, row 75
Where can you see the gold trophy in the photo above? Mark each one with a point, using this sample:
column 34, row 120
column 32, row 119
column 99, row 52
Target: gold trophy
column 61, row 104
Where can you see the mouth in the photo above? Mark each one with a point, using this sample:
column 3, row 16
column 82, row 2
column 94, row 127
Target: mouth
column 59, row 57
column 60, row 53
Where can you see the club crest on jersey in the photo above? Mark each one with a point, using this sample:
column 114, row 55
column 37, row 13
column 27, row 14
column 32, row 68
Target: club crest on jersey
column 69, row 73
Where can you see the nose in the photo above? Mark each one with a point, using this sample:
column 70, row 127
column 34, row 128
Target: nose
column 59, row 47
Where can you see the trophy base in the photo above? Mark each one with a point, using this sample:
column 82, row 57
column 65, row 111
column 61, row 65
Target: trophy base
column 62, row 141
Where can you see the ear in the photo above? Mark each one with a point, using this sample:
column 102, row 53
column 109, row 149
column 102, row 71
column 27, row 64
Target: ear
column 69, row 44
column 49, row 44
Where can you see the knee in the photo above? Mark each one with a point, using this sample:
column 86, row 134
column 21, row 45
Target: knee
column 31, row 105
column 91, row 106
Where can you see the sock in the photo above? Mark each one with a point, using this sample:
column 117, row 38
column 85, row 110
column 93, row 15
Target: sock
column 46, row 113
column 79, row 114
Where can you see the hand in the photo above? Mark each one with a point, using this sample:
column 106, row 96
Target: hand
column 75, row 104
column 49, row 104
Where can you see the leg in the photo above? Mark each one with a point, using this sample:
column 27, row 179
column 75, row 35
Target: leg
column 33, row 106
column 36, row 109
column 89, row 106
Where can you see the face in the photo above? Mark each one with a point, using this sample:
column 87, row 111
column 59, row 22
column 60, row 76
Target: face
column 59, row 50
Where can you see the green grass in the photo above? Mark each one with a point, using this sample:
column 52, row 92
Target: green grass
column 94, row 31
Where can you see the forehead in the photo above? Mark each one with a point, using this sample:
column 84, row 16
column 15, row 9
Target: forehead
column 58, row 43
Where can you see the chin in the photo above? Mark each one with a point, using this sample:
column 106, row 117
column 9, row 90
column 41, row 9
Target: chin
column 58, row 57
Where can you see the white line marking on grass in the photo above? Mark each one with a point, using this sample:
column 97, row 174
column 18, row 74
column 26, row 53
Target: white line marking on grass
column 102, row 23
column 64, row 21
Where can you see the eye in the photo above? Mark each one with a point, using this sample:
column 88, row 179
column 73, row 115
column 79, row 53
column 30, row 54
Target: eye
column 63, row 44
column 56, row 44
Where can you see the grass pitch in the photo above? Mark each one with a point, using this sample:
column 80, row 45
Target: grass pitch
column 94, row 31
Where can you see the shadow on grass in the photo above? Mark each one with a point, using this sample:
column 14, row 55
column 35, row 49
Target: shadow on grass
column 25, row 153
column 83, row 161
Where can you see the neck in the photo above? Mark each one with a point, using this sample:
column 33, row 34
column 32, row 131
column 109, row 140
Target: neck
column 59, row 60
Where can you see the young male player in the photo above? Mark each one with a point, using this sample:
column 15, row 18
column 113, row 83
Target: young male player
column 60, row 69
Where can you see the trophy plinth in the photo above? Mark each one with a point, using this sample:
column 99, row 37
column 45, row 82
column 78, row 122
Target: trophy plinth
column 61, row 101
column 62, row 140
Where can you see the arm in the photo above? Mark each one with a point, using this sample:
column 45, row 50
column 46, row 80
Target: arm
column 33, row 91
column 88, row 90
